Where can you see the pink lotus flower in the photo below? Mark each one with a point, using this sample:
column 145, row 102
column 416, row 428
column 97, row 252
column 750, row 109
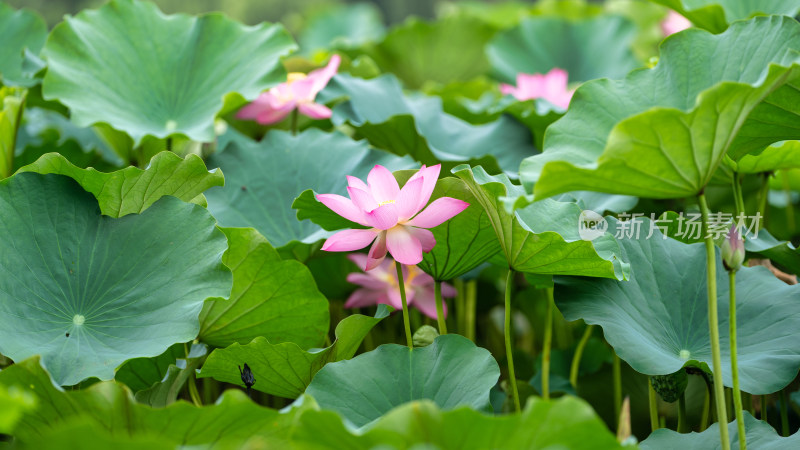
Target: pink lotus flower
column 551, row 86
column 391, row 214
column 299, row 92
column 733, row 252
column 674, row 23
column 380, row 285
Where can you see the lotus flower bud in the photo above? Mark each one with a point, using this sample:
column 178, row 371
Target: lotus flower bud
column 733, row 250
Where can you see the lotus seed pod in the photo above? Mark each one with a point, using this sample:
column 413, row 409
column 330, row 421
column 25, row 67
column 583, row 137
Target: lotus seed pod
column 670, row 387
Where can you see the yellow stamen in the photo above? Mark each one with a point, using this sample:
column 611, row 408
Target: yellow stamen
column 385, row 202
column 294, row 76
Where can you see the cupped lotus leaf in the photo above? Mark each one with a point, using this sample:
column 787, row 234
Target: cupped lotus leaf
column 715, row 15
column 147, row 74
column 662, row 132
column 782, row 155
column 586, row 49
column 658, row 320
column 88, row 292
column 141, row 373
column 165, row 391
column 783, row 253
column 417, row 126
column 132, row 190
column 20, row 31
column 264, row 178
column 462, row 243
column 567, row 422
column 111, row 407
column 451, row 371
column 420, row 52
column 543, row 237
column 271, row 298
column 759, row 435
column 344, row 26
column 286, row 369
column 11, row 107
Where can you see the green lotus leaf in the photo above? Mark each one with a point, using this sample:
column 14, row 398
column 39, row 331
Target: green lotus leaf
column 759, row 434
column 271, row 298
column 451, row 371
column 782, row 253
column 715, row 15
column 568, row 422
column 265, row 177
column 147, row 74
column 142, row 373
column 783, row 155
column 286, row 369
column 20, row 31
column 662, row 132
column 49, row 131
column 462, row 243
column 89, row 292
column 83, row 434
column 591, row 48
column 132, row 190
column 110, row 406
column 659, row 325
column 15, row 401
column 166, row 391
column 344, row 26
column 421, row 52
column 542, row 237
column 417, row 126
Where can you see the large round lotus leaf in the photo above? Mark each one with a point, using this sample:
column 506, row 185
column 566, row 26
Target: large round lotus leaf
column 760, row 435
column 19, row 31
column 144, row 73
column 587, row 49
column 714, row 15
column 263, row 179
column 451, row 371
column 345, row 26
column 662, row 132
column 658, row 320
column 88, row 291
column 566, row 423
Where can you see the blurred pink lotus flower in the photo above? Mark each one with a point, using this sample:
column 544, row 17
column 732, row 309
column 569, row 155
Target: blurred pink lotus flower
column 299, row 92
column 551, row 86
column 391, row 214
column 674, row 23
column 379, row 285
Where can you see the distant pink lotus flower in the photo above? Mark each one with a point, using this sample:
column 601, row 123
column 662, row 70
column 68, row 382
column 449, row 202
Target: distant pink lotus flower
column 551, row 86
column 380, row 285
column 391, row 214
column 299, row 92
column 674, row 23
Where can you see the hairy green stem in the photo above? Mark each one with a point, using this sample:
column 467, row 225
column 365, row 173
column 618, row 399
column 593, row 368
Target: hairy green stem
column 512, row 378
column 547, row 345
column 401, row 284
column 653, row 402
column 616, row 369
column 576, row 359
column 682, row 425
column 437, row 289
column 713, row 326
column 737, row 393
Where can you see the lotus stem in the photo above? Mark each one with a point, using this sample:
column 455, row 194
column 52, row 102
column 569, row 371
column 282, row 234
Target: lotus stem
column 737, row 393
column 460, row 307
column 406, row 323
column 617, row 377
column 437, row 289
column 713, row 326
column 764, row 408
column 576, row 359
column 512, row 379
column 787, row 189
column 546, row 346
column 784, row 413
column 193, row 394
column 763, row 194
column 294, row 122
column 653, row 401
column 682, row 425
column 472, row 303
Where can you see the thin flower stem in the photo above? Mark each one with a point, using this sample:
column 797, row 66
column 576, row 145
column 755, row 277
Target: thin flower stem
column 295, row 115
column 471, row 304
column 401, row 284
column 437, row 289
column 764, row 408
column 195, row 396
column 617, row 377
column 737, row 393
column 546, row 346
column 512, row 378
column 784, row 413
column 576, row 359
column 713, row 326
column 682, row 425
column 653, row 401
column 737, row 193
